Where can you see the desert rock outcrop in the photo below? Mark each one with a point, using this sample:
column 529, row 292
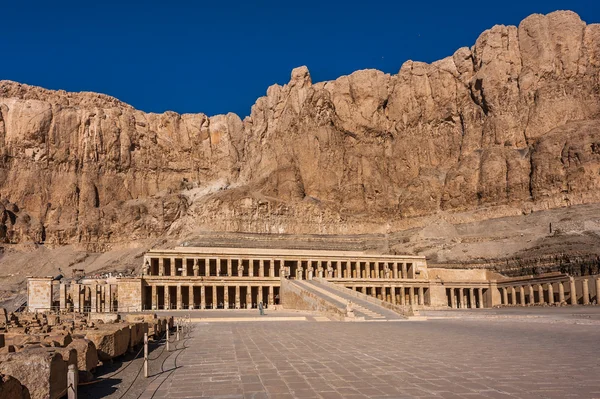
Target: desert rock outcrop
column 511, row 122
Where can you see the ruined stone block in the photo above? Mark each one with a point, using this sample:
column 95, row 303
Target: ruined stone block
column 11, row 388
column 87, row 355
column 137, row 331
column 42, row 371
column 111, row 340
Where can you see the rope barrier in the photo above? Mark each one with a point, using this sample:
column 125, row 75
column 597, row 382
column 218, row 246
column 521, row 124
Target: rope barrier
column 132, row 382
column 183, row 342
column 112, row 375
column 64, row 391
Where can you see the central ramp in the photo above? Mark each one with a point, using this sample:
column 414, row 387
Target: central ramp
column 339, row 297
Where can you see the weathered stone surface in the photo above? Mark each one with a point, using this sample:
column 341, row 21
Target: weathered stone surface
column 60, row 340
column 472, row 130
column 111, row 340
column 42, row 371
column 87, row 357
column 136, row 335
column 11, row 388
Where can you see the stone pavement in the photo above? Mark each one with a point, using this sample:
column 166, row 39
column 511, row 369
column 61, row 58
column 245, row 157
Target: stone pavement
column 433, row 359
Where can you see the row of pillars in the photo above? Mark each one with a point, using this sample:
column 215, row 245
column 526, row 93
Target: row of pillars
column 173, row 296
column 356, row 269
column 301, row 269
column 397, row 295
column 465, row 298
column 529, row 298
column 88, row 298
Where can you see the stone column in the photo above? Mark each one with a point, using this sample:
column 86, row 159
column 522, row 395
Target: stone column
column 376, row 269
column 472, row 297
column 393, row 293
column 531, row 295
column 573, row 291
column 249, row 296
column 586, row 292
column 395, row 270
column 363, row 290
column 203, row 297
column 513, row 294
column 550, row 294
column 94, row 298
column 504, row 296
column 161, row 266
column 154, row 298
column 207, row 267
column 225, row 297
column 261, row 268
column 196, row 267
column 271, row 296
column 167, row 304
column 184, row 267
column 411, row 293
column 237, row 297
column 218, row 266
column 272, row 268
column 259, row 297
column 597, row 290
column 173, row 268
column 480, row 304
column 452, row 298
column 374, row 291
column 250, row 267
column 348, row 269
column 541, row 294
column 192, row 297
column 404, row 270
column 229, row 267
column 339, row 268
column 179, row 299
column 522, row 295
column 561, row 292
column 421, row 296
column 76, row 295
column 215, row 300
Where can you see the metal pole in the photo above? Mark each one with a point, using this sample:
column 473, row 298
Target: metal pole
column 72, row 376
column 146, row 354
column 167, row 337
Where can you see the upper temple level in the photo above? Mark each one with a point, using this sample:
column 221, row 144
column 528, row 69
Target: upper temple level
column 274, row 263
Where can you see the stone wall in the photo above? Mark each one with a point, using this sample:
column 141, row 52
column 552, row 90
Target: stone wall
column 39, row 293
column 130, row 294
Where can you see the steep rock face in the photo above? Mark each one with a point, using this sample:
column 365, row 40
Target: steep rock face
column 511, row 122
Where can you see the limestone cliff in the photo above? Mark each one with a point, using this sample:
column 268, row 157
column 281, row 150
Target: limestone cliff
column 505, row 127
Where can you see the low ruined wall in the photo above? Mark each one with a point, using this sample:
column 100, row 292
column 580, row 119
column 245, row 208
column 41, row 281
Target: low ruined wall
column 294, row 297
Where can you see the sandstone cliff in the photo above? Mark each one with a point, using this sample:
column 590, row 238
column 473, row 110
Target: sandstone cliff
column 506, row 127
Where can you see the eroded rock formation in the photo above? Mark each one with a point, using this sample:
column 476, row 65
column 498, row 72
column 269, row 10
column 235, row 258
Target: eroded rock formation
column 510, row 123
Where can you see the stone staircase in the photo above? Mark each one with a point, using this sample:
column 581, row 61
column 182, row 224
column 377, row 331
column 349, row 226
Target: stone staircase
column 336, row 296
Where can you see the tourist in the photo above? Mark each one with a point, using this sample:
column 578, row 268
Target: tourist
column 261, row 310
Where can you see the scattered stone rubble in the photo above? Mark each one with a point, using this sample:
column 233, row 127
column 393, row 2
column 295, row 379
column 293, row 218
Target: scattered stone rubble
column 37, row 348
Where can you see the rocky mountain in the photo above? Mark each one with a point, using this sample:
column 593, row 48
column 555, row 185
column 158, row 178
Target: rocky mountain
column 504, row 128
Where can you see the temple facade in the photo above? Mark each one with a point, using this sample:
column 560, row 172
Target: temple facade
column 186, row 278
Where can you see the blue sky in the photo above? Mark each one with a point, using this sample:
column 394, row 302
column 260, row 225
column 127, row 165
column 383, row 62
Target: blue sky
column 218, row 57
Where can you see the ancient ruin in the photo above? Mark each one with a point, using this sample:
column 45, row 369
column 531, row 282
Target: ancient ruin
column 468, row 183
column 186, row 278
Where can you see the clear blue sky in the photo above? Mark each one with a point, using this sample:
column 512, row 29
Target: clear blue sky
column 219, row 56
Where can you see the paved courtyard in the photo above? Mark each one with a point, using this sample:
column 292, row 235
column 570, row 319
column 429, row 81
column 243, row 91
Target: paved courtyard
column 445, row 358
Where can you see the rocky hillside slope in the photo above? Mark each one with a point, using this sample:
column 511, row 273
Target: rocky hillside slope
column 506, row 127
